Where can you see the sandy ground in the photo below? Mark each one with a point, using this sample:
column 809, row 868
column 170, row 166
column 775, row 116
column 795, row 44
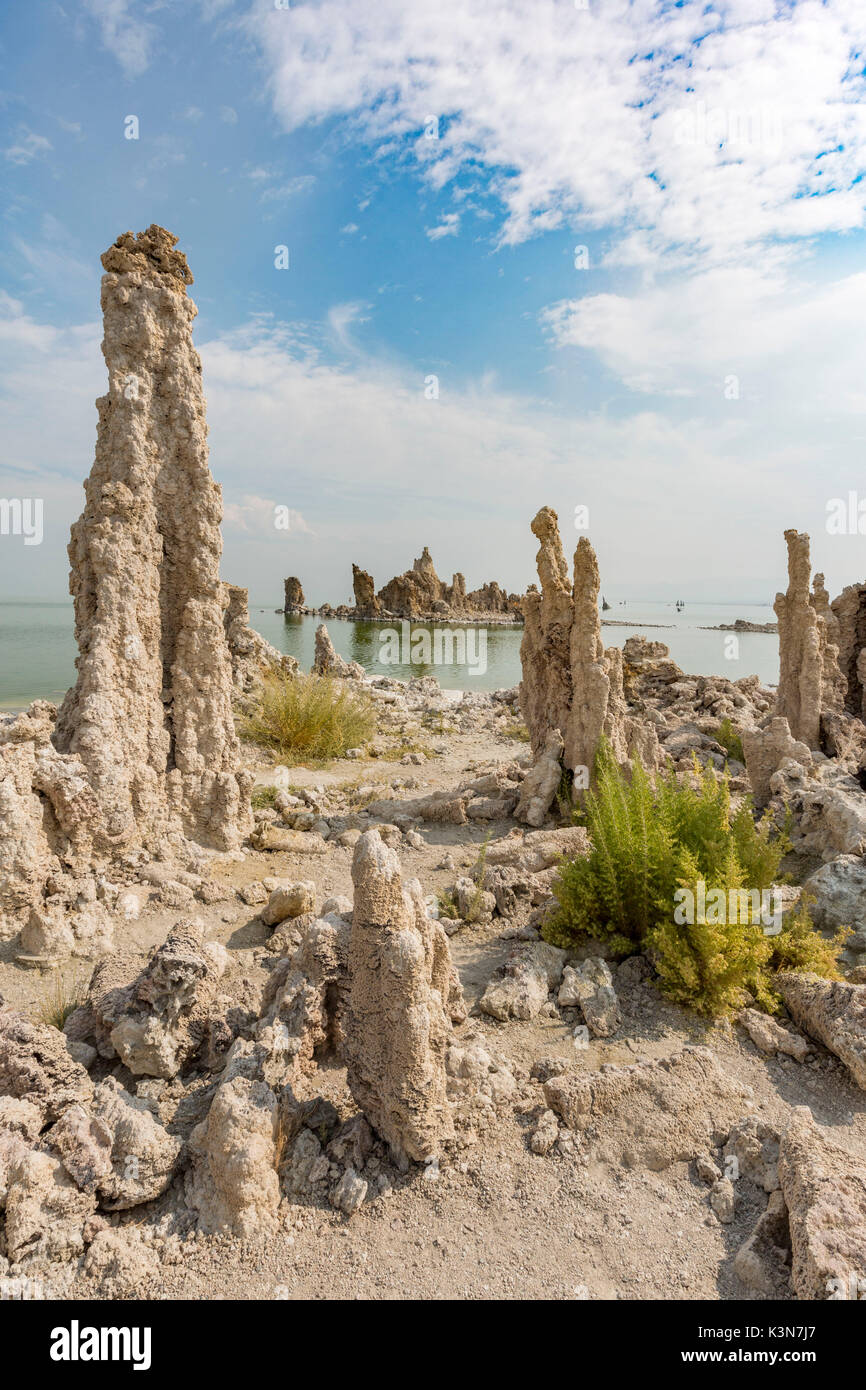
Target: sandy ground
column 497, row 1221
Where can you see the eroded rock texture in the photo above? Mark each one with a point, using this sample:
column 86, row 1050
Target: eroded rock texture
column 420, row 593
column 833, row 1011
column 810, row 681
column 570, row 682
column 396, row 1025
column 364, row 588
column 150, row 713
column 144, row 751
column 849, row 610
column 825, row 1193
column 252, row 657
column 294, row 599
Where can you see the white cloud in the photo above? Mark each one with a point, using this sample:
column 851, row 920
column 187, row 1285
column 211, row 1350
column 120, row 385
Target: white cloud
column 696, row 132
column 374, row 471
column 448, row 226
column 125, row 35
column 229, row 115
column 264, row 517
column 795, row 347
column 28, row 146
column 281, row 192
column 343, row 317
column 350, row 229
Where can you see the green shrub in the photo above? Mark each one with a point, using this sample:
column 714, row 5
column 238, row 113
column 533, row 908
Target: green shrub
column 730, row 740
column 650, row 840
column 262, row 797
column 63, row 998
column 312, row 717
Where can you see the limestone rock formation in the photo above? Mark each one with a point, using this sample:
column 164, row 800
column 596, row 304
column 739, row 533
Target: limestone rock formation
column 328, row 661
column 570, row 682
column 303, row 1002
column 396, row 1025
column 832, row 1011
column 45, row 1210
column 233, row 1184
column 36, row 1066
column 539, row 787
column 766, row 749
column 158, row 1023
column 115, row 1148
column 294, row 599
column 366, row 602
column 849, row 611
column 589, row 987
column 825, row 1193
column 150, row 714
column 520, row 990
column 252, row 657
column 655, row 1112
column 420, row 593
column 810, row 680
column 144, row 749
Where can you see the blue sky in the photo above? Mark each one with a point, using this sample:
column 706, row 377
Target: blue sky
column 695, row 376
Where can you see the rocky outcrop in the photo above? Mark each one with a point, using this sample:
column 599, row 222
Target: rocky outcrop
column 825, row 1193
column 233, row 1183
column 144, row 751
column 541, row 783
column 252, row 658
column 420, row 593
column 832, row 1011
column 588, row 986
column 36, row 1066
column 520, row 990
column 810, row 681
column 115, row 1148
column 159, row 1022
column 765, row 750
column 328, row 661
column 570, row 682
column 396, row 1028
column 150, row 714
column 849, row 610
column 656, row 1113
column 837, row 895
column 294, row 601
column 827, row 807
column 366, row 603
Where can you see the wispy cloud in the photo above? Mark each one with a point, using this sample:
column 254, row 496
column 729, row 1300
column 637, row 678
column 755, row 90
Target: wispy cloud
column 695, row 133
column 448, row 226
column 125, row 34
column 26, row 147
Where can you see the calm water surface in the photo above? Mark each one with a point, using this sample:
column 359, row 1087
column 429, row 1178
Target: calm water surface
column 37, row 647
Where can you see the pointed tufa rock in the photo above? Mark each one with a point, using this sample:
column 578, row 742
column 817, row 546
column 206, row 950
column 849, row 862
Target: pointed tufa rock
column 849, row 612
column 366, row 603
column 396, row 1025
column 570, row 682
column 810, row 680
column 150, row 714
column 294, row 599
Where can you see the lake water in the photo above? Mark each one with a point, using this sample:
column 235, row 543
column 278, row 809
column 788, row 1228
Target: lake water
column 37, row 647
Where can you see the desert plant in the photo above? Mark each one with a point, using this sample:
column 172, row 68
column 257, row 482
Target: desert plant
column 63, row 998
column 478, row 875
column 649, row 842
column 311, row 717
column 447, row 906
column 730, row 740
column 263, row 797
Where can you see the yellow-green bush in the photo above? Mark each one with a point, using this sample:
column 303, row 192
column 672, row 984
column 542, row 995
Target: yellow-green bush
column 312, row 717
column 650, row 840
